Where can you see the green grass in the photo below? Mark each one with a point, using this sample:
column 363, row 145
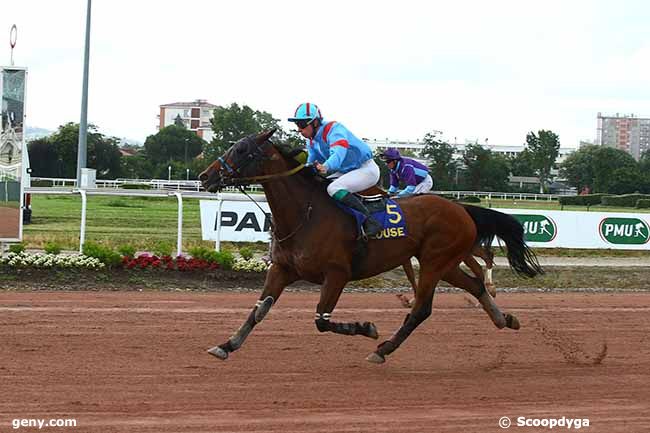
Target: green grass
column 141, row 222
column 145, row 222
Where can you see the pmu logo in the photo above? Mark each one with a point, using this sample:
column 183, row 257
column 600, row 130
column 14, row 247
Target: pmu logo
column 627, row 231
column 538, row 228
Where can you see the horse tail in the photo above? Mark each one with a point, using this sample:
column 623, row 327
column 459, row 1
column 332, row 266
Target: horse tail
column 490, row 224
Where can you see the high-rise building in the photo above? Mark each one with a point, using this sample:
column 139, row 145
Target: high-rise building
column 628, row 133
column 195, row 116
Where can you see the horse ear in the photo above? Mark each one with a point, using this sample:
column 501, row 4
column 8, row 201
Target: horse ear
column 265, row 135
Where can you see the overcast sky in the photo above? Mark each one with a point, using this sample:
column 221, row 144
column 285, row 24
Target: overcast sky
column 386, row 69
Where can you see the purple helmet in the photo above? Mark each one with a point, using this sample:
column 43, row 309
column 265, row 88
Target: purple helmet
column 391, row 154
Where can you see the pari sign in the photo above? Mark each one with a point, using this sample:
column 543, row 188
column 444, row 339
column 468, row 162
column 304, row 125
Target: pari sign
column 624, row 231
column 236, row 221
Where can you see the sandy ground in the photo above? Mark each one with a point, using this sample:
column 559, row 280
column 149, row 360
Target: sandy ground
column 137, row 362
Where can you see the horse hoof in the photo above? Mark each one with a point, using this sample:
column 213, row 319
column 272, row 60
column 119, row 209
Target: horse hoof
column 512, row 322
column 372, row 331
column 375, row 358
column 218, row 352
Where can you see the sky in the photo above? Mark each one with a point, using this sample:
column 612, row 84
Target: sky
column 474, row 70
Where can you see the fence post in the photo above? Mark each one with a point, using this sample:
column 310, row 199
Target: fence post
column 82, row 230
column 217, row 245
column 179, row 237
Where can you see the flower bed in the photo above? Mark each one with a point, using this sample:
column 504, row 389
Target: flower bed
column 250, row 265
column 143, row 261
column 180, row 263
column 42, row 260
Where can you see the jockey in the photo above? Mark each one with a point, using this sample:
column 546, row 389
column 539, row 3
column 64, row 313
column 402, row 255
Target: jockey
column 333, row 149
column 414, row 174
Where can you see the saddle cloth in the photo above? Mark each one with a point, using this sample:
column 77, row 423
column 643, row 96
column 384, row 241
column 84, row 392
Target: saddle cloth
column 384, row 210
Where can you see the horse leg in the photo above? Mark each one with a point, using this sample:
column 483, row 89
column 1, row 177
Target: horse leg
column 476, row 269
column 476, row 287
column 277, row 278
column 470, row 261
column 487, row 255
column 419, row 312
column 410, row 274
column 329, row 296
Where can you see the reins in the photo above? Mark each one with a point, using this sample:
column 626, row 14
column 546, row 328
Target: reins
column 275, row 176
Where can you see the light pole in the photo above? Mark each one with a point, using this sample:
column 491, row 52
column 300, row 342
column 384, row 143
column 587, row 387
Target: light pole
column 83, row 123
column 169, row 173
column 187, row 171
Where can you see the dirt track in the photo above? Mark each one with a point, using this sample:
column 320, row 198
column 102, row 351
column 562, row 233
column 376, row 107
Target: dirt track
column 136, row 362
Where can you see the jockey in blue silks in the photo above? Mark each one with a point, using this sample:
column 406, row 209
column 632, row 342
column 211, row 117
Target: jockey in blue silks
column 415, row 175
column 333, row 149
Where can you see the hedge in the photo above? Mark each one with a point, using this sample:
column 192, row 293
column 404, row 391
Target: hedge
column 136, row 186
column 582, row 200
column 643, row 203
column 626, row 200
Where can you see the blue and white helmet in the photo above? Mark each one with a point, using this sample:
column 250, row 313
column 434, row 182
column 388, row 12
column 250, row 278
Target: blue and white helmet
column 306, row 111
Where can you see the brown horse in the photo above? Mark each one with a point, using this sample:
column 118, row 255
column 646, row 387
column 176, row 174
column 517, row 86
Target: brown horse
column 315, row 241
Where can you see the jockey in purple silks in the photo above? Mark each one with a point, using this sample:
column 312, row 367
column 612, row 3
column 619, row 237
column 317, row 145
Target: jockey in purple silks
column 414, row 174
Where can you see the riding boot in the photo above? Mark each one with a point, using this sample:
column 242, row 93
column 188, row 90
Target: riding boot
column 371, row 226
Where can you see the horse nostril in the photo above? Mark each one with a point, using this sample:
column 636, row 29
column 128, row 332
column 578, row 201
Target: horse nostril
column 203, row 177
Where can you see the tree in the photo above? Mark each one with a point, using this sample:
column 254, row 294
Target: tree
column 523, row 164
column 625, row 180
column 602, row 169
column 441, row 154
column 136, row 167
column 578, row 167
column 498, row 173
column 173, row 143
column 484, row 169
column 605, row 165
column 178, row 121
column 233, row 123
column 103, row 153
column 42, row 156
column 544, row 149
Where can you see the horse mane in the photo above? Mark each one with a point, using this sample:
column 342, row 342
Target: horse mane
column 295, row 156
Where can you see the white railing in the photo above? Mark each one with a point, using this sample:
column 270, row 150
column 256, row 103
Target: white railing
column 141, row 193
column 154, row 184
column 500, row 195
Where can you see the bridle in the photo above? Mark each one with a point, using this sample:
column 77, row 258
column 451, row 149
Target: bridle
column 257, row 155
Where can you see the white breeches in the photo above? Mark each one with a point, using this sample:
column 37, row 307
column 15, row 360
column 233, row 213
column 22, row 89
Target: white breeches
column 356, row 180
column 424, row 186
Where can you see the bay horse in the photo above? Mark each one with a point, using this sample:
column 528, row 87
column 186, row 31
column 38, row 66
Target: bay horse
column 315, row 241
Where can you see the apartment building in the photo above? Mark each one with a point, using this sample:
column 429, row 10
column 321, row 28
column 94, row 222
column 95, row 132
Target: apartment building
column 195, row 116
column 624, row 132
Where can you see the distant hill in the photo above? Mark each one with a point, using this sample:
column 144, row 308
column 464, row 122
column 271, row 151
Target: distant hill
column 32, row 133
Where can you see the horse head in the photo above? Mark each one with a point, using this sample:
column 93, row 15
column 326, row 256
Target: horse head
column 244, row 163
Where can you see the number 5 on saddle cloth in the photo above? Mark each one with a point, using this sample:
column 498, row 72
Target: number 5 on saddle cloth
column 384, row 210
